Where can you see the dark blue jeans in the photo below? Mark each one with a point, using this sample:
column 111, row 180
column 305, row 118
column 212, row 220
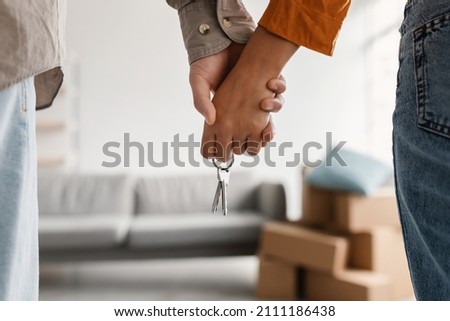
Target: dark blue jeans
column 421, row 140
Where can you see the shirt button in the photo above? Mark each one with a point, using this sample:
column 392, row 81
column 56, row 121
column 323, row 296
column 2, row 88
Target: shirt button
column 226, row 22
column 203, row 28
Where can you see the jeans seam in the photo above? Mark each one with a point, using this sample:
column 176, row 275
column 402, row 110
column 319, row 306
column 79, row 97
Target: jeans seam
column 409, row 4
column 420, row 35
column 24, row 108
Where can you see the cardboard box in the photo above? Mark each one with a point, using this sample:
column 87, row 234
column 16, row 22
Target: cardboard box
column 304, row 247
column 382, row 250
column 352, row 285
column 356, row 213
column 276, row 280
column 317, row 206
column 347, row 212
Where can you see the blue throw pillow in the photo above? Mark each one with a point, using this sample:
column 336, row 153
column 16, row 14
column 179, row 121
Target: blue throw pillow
column 362, row 174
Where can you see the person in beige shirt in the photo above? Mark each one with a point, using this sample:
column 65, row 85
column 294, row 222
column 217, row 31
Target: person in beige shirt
column 32, row 51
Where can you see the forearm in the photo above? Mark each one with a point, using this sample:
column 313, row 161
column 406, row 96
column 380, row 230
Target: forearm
column 265, row 55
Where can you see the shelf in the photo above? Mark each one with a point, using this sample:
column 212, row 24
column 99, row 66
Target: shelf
column 50, row 126
column 51, row 161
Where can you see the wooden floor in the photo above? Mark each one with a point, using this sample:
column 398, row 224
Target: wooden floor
column 231, row 278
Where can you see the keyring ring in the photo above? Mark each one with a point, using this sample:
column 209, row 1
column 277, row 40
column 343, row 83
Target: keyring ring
column 226, row 167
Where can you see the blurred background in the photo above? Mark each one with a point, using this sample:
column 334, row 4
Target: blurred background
column 127, row 72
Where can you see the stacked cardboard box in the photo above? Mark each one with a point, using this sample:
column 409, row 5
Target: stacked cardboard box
column 345, row 247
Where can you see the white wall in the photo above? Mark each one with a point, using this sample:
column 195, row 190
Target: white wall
column 133, row 78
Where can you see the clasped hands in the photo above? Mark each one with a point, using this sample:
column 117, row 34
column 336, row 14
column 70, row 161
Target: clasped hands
column 237, row 119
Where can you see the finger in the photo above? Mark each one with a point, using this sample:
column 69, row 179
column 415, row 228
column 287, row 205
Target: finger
column 224, row 146
column 272, row 104
column 277, row 85
column 254, row 145
column 201, row 93
column 239, row 145
column 208, row 148
column 268, row 133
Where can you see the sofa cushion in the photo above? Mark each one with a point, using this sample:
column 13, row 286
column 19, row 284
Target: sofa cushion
column 64, row 194
column 193, row 194
column 160, row 230
column 96, row 231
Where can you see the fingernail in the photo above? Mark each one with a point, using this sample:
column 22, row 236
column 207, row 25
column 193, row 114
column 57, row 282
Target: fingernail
column 267, row 105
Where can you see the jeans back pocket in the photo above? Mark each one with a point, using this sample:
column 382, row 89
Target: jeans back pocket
column 432, row 68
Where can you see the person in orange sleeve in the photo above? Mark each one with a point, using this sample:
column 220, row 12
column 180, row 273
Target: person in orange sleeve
column 421, row 135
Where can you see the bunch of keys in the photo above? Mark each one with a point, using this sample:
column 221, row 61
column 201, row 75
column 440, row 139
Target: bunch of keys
column 223, row 176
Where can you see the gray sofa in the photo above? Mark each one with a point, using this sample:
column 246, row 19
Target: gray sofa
column 109, row 217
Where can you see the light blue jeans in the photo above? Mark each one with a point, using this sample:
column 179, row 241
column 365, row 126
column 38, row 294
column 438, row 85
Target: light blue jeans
column 18, row 194
column 422, row 145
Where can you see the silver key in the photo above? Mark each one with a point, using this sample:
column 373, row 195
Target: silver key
column 217, row 196
column 223, row 177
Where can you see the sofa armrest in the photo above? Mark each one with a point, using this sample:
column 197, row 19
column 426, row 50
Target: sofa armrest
column 271, row 201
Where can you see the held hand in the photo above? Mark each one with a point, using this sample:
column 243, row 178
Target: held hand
column 207, row 74
column 241, row 123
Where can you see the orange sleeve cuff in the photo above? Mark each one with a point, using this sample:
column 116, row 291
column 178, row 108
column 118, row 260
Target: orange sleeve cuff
column 314, row 24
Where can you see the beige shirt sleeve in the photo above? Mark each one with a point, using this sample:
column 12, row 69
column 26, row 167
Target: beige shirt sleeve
column 209, row 27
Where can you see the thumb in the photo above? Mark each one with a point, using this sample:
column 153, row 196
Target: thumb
column 201, row 93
